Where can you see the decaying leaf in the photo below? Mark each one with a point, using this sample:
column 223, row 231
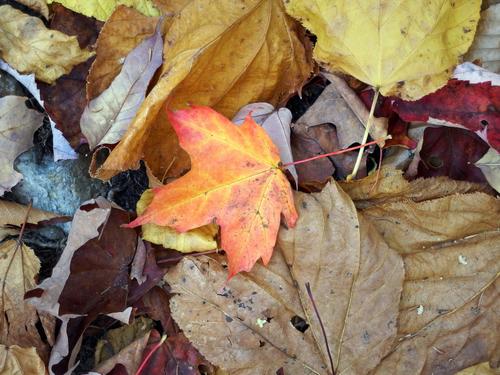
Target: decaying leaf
column 390, row 186
column 17, row 126
column 449, row 306
column 356, row 280
column 490, row 166
column 217, row 54
column 102, row 9
column 121, row 33
column 19, row 267
column 402, row 47
column 486, row 45
column 107, row 117
column 198, row 239
column 20, row 361
column 480, row 369
column 235, row 181
column 29, row 47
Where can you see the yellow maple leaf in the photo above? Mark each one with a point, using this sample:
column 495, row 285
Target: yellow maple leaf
column 102, row 9
column 405, row 47
column 199, row 239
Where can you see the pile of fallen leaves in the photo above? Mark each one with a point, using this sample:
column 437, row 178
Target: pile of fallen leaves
column 267, row 243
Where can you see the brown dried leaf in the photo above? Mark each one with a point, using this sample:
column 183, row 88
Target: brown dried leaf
column 216, row 54
column 17, row 126
column 480, row 369
column 29, row 47
column 121, row 33
column 39, row 6
column 408, row 226
column 19, row 267
column 355, row 278
column 20, row 361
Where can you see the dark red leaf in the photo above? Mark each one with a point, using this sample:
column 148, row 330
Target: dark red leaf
column 451, row 152
column 156, row 305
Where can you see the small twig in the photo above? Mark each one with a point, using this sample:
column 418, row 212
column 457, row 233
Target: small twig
column 309, row 292
column 150, row 354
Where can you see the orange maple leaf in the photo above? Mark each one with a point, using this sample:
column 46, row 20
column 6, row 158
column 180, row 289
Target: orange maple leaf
column 235, row 180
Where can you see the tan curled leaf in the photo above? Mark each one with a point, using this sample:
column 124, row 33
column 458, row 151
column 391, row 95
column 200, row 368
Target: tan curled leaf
column 355, row 277
column 29, row 47
column 106, row 118
column 486, row 45
column 405, row 47
column 389, row 185
column 17, row 126
column 490, row 166
column 20, row 361
column 121, row 33
column 408, row 226
column 19, row 267
column 102, row 9
column 222, row 54
column 199, row 239
column 12, row 213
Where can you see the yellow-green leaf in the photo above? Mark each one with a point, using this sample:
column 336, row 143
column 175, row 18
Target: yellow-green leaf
column 199, row 239
column 405, row 47
column 102, row 9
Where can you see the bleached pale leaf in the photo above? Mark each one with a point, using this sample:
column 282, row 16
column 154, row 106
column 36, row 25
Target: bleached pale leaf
column 490, row 166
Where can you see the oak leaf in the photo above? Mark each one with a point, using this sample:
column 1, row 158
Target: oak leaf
column 121, row 33
column 401, row 47
column 355, row 278
column 17, row 126
column 235, row 180
column 29, row 47
column 102, row 9
column 223, row 54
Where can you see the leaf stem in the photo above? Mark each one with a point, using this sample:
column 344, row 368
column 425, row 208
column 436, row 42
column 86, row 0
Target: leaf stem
column 336, row 152
column 365, row 136
column 155, row 348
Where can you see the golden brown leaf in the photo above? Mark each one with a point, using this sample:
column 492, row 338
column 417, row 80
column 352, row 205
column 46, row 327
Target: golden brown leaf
column 221, row 54
column 29, row 47
column 20, row 361
column 121, row 33
column 480, row 369
column 39, row 6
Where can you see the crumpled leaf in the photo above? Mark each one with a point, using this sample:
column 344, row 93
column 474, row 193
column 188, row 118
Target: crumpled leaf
column 402, row 47
column 102, row 9
column 198, row 239
column 486, row 45
column 216, row 54
column 29, row 47
column 490, row 166
column 107, row 117
column 18, row 123
column 355, row 279
column 121, row 33
column 449, row 306
column 19, row 267
column 389, row 185
column 65, row 100
column 277, row 124
column 20, row 361
column 235, row 181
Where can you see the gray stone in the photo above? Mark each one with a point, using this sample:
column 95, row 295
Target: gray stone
column 58, row 187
